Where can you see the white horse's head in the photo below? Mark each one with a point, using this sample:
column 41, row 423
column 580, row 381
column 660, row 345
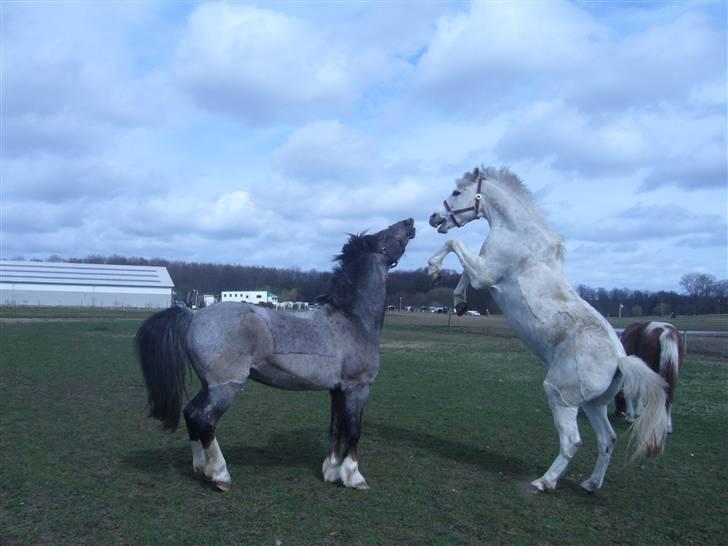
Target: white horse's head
column 463, row 204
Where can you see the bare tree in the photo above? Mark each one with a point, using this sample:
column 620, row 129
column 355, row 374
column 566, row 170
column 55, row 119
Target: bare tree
column 697, row 284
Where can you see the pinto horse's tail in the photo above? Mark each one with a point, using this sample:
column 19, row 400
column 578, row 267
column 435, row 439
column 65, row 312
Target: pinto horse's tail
column 650, row 428
column 669, row 360
column 161, row 350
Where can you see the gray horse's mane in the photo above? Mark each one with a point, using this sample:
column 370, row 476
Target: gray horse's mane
column 346, row 274
column 516, row 186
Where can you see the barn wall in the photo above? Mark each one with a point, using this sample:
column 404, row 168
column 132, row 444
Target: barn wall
column 84, row 296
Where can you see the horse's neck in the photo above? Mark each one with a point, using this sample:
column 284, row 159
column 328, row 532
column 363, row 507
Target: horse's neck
column 510, row 218
column 369, row 302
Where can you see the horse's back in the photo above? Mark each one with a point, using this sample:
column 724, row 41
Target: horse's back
column 645, row 340
column 301, row 333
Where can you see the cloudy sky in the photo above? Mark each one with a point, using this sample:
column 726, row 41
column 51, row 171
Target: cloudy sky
column 262, row 133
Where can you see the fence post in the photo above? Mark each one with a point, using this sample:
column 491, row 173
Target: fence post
column 685, row 348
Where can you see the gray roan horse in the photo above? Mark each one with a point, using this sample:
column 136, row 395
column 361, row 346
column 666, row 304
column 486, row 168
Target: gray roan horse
column 521, row 263
column 334, row 348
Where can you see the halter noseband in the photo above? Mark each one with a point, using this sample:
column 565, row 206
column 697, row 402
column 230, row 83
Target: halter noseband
column 475, row 207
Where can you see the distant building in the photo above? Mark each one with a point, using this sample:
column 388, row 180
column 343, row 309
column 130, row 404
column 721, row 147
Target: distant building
column 255, row 296
column 84, row 285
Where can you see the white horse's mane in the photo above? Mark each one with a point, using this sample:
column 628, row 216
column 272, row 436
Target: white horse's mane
column 518, row 188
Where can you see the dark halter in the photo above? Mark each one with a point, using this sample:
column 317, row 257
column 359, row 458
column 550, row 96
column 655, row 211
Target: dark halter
column 384, row 251
column 475, row 207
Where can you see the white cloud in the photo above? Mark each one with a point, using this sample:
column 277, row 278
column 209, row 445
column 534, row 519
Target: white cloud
column 494, row 47
column 573, row 141
column 643, row 222
column 261, row 65
column 498, row 53
column 325, row 151
column 69, row 85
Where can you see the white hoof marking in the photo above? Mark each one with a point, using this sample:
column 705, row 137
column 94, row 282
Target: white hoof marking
column 331, row 470
column 350, row 475
column 542, row 484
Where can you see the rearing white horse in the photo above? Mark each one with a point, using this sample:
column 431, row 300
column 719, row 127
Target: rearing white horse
column 521, row 262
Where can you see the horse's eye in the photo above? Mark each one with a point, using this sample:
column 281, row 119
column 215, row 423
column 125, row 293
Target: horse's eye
column 455, row 193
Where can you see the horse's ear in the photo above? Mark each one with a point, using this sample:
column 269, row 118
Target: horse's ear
column 476, row 173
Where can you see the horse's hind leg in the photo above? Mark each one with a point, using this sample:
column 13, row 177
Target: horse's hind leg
column 202, row 415
column 569, row 439
column 631, row 414
column 597, row 415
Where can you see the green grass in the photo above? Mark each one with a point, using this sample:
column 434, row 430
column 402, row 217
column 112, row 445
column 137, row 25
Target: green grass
column 457, row 425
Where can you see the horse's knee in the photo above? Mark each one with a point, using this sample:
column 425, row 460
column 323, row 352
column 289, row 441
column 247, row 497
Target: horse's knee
column 569, row 446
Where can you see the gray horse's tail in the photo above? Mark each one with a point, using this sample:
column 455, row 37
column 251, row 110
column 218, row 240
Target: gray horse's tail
column 650, row 428
column 160, row 347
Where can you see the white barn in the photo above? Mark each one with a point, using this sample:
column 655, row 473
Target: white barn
column 84, row 285
column 250, row 296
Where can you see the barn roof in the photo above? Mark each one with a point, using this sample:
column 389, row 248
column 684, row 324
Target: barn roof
column 84, row 274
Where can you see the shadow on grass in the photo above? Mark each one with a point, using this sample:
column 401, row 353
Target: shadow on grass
column 456, row 451
column 296, row 448
column 302, row 448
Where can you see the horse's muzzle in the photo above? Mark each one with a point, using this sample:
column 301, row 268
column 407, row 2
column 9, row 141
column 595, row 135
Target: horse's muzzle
column 438, row 222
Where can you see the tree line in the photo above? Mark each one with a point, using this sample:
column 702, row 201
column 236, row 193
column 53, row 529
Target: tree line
column 703, row 293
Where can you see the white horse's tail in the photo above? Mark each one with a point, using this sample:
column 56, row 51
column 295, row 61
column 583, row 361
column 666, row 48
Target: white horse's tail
column 650, row 428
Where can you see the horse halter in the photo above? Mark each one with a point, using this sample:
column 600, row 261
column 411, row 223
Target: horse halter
column 385, row 252
column 475, row 207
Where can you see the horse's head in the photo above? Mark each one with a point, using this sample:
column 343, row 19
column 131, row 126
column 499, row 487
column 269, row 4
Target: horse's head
column 392, row 241
column 462, row 205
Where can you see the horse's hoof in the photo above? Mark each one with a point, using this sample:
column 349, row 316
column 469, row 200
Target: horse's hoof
column 541, row 485
column 589, row 486
column 331, row 470
column 350, row 475
column 223, row 486
column 460, row 308
column 362, row 486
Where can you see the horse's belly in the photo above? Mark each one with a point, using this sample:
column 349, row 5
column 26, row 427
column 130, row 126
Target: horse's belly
column 304, row 372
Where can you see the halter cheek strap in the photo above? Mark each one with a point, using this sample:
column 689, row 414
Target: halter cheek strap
column 393, row 263
column 475, row 207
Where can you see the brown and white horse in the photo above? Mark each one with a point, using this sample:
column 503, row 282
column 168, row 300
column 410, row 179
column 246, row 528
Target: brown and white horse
column 660, row 345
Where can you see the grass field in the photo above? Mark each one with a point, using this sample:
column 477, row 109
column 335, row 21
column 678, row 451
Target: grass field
column 456, row 427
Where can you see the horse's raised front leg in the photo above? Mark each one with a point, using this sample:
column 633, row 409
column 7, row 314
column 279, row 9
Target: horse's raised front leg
column 202, row 415
column 474, row 265
column 569, row 439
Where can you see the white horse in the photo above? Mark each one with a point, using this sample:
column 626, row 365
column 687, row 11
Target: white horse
column 521, row 262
